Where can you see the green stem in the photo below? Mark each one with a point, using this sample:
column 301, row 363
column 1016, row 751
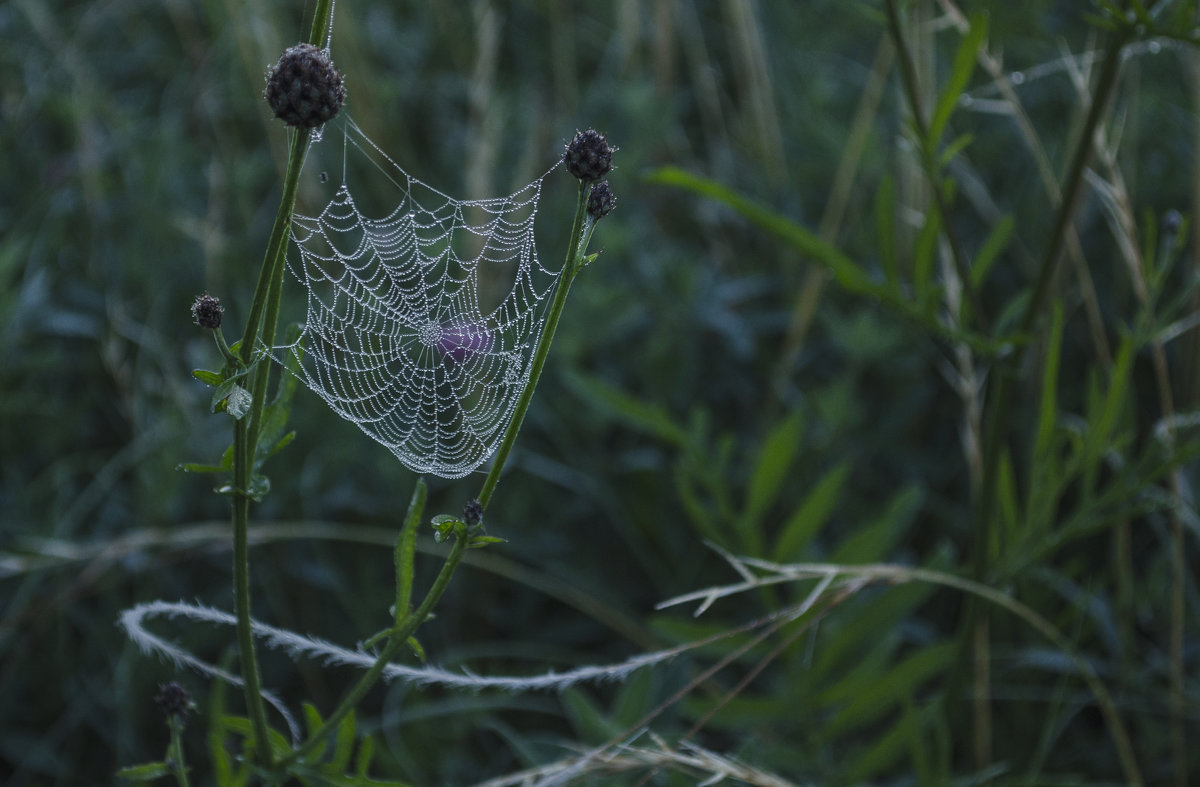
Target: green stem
column 246, row 430
column 276, row 246
column 396, row 641
column 251, row 683
column 1000, row 394
column 175, row 751
column 925, row 146
column 571, row 267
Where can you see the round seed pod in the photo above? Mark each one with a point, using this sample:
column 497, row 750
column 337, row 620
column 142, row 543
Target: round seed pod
column 589, row 156
column 303, row 88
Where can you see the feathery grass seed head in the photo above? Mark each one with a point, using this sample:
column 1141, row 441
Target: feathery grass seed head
column 303, row 88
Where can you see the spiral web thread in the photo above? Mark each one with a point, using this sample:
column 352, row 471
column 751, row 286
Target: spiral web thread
column 420, row 324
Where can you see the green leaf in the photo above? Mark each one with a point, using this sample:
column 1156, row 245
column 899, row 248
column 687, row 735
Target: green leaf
column 925, row 259
column 883, row 690
column 146, row 772
column 405, row 551
column 366, row 750
column 632, row 412
column 956, row 83
column 417, row 649
column 231, row 398
column 772, row 468
column 207, row 377
column 843, row 269
column 446, row 524
column 588, row 722
column 478, row 542
column 812, row 514
column 955, row 146
column 885, row 227
column 238, row 402
column 997, row 240
column 260, row 485
column 242, row 726
column 343, row 744
column 875, row 541
column 313, row 721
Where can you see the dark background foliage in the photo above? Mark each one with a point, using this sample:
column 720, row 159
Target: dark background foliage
column 141, row 168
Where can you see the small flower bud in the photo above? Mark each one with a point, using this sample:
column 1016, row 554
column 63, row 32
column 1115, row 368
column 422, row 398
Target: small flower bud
column 589, row 156
column 207, row 311
column 473, row 513
column 303, row 88
column 173, row 699
column 601, row 201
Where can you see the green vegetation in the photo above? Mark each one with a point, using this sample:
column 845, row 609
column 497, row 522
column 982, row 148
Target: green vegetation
column 888, row 369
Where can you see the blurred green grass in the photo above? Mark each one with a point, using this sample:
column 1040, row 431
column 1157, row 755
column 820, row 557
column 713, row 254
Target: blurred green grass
column 142, row 168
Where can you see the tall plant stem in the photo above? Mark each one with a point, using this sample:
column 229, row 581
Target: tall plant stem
column 926, row 147
column 1001, row 382
column 572, row 266
column 397, row 640
column 260, row 325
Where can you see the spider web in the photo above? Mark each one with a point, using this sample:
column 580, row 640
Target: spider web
column 422, row 310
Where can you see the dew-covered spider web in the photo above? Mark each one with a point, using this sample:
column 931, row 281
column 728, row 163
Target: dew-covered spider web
column 422, row 311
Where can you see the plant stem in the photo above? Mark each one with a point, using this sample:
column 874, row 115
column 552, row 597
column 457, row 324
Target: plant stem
column 246, row 429
column 251, row 683
column 1002, row 378
column 572, row 266
column 175, row 751
column 396, row 641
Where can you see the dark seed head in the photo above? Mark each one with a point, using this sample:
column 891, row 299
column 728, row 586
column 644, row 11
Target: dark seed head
column 601, row 201
column 473, row 513
column 589, row 156
column 207, row 311
column 303, row 88
column 173, row 699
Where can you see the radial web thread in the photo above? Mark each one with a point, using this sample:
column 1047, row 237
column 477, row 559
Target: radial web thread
column 421, row 323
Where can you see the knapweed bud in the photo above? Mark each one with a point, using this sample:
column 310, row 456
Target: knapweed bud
column 473, row 513
column 601, row 201
column 589, row 156
column 207, row 311
column 303, row 88
column 174, row 700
